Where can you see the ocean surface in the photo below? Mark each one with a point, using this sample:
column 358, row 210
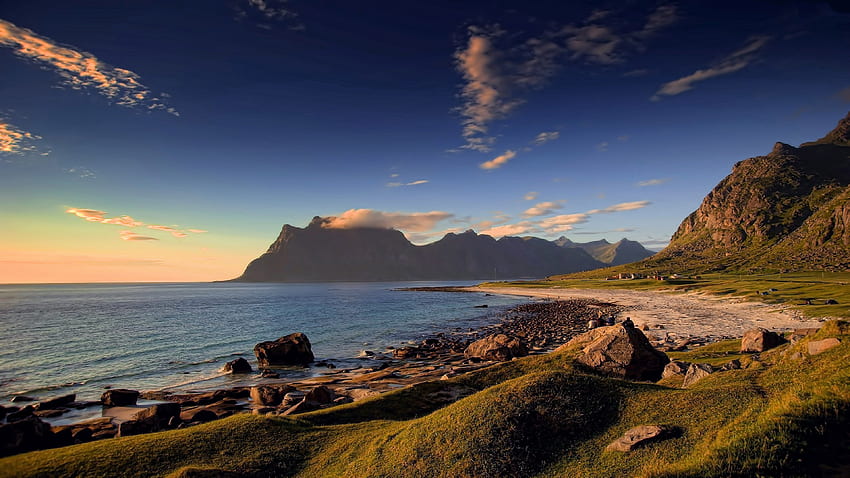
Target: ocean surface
column 81, row 338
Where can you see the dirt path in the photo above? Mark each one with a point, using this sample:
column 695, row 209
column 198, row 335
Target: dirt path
column 685, row 315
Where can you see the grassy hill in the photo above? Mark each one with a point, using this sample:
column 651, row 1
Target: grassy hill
column 786, row 413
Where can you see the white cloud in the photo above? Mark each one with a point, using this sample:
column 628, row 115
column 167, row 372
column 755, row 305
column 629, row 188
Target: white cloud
column 624, row 206
column 546, row 136
column 652, row 182
column 498, row 161
column 127, row 235
column 411, row 183
column 14, row 140
column 82, row 70
column 736, row 61
column 543, row 208
column 98, row 216
column 523, row 227
column 530, row 196
column 409, row 222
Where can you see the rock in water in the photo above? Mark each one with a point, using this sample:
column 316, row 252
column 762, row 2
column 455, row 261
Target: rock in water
column 239, row 365
column 759, row 340
column 697, row 372
column 294, row 349
column 620, row 352
column 639, row 436
column 119, row 397
column 499, row 347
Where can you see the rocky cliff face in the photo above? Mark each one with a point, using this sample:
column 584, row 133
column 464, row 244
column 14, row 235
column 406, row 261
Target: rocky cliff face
column 785, row 210
column 318, row 253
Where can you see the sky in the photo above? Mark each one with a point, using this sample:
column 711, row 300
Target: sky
column 170, row 141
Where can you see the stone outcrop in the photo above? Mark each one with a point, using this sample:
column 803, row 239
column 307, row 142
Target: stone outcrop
column 759, row 340
column 119, row 397
column 23, row 435
column 816, row 347
column 293, row 349
column 619, row 351
column 239, row 365
column 498, row 347
column 697, row 372
column 675, row 368
column 270, row 395
column 640, row 436
column 52, row 403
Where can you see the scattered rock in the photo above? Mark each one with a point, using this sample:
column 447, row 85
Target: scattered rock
column 731, row 365
column 819, row 346
column 696, row 372
column 640, row 436
column 22, row 398
column 759, row 340
column 23, row 435
column 270, row 395
column 358, row 394
column 293, row 349
column 136, row 427
column 24, row 412
column 82, row 435
column 301, row 407
column 592, row 324
column 675, row 368
column 620, row 351
column 202, row 415
column 53, row 403
column 159, row 414
column 239, row 365
column 405, row 352
column 292, row 398
column 499, row 347
column 321, row 395
column 831, row 302
column 266, row 373
column 119, row 397
column 800, row 333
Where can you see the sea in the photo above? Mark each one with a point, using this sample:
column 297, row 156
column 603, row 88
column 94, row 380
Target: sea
column 57, row 339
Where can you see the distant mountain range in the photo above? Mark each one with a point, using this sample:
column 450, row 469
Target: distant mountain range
column 787, row 210
column 320, row 253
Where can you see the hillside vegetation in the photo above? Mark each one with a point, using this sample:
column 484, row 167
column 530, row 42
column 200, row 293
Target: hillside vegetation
column 786, row 413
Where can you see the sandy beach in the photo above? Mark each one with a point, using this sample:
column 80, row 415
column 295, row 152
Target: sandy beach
column 687, row 315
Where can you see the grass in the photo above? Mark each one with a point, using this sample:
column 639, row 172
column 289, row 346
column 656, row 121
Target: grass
column 781, row 415
column 792, row 289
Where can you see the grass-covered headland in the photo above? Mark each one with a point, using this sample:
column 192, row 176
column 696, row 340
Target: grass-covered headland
column 785, row 413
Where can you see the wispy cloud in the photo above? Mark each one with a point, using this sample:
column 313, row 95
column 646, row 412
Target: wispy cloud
column 98, row 216
column 81, row 172
column 736, row 61
column 127, row 235
column 530, row 196
column 270, row 10
column 82, row 70
column 662, row 17
column 543, row 208
column 410, row 222
column 14, row 140
column 411, row 183
column 545, row 137
column 603, row 146
column 653, row 182
column 498, row 161
column 523, row 227
column 563, row 223
column 623, row 206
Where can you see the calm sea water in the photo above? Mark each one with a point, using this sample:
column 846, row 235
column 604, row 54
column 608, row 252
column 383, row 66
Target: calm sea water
column 80, row 338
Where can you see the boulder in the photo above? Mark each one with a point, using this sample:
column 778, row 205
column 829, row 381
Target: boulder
column 239, row 365
column 292, row 398
column 619, row 351
column 294, row 349
column 135, row 427
column 22, row 398
column 270, row 395
column 55, row 402
column 358, row 394
column 675, row 368
column 819, row 346
column 321, row 394
column 640, row 436
column 498, row 347
column 158, row 415
column 24, row 412
column 301, row 407
column 202, row 415
column 23, row 435
column 119, row 397
column 759, row 340
column 696, row 372
column 731, row 365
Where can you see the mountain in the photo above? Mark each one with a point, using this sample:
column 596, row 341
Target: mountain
column 787, row 210
column 319, row 253
column 621, row 252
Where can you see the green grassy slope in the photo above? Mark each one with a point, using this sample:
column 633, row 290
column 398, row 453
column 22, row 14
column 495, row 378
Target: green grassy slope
column 780, row 415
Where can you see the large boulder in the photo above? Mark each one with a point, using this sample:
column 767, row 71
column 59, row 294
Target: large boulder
column 24, row 435
column 759, row 340
column 697, row 372
column 619, row 351
column 816, row 347
column 640, row 436
column 54, row 402
column 119, row 397
column 294, row 349
column 270, row 395
column 499, row 347
column 675, row 368
column 239, row 365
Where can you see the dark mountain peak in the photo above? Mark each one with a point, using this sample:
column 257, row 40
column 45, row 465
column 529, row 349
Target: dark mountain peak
column 318, row 222
column 840, row 135
column 783, row 149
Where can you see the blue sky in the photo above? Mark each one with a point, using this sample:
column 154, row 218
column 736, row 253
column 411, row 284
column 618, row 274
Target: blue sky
column 592, row 120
